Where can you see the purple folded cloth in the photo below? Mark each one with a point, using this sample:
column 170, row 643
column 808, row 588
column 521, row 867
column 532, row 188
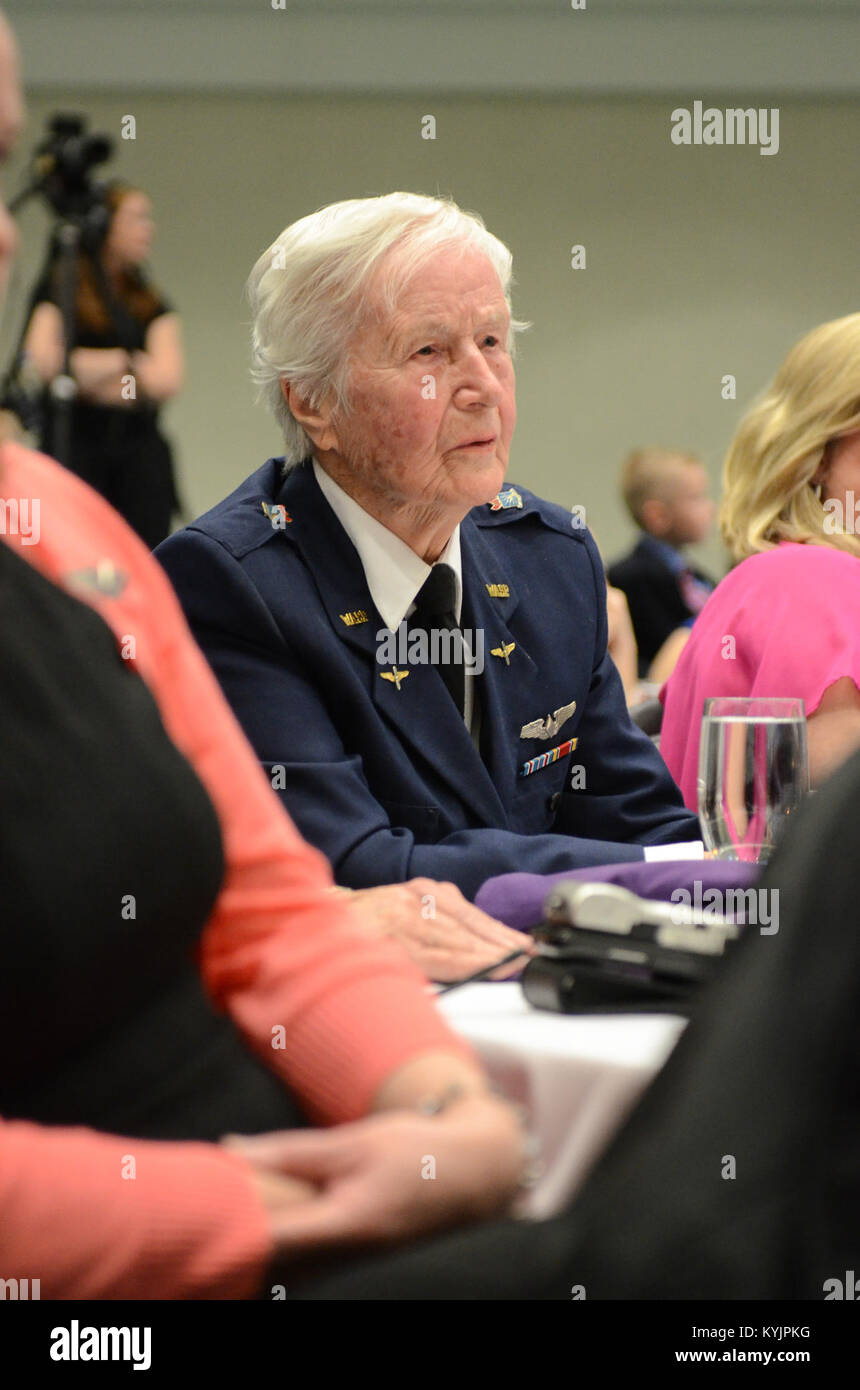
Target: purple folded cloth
column 518, row 899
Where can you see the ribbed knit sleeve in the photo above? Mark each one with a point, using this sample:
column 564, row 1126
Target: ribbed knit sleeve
column 93, row 1216
column 330, row 1011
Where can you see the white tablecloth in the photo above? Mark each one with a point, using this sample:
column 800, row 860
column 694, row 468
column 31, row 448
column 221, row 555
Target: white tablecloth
column 577, row 1076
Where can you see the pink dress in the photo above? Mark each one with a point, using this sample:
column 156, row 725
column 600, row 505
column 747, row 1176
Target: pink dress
column 782, row 623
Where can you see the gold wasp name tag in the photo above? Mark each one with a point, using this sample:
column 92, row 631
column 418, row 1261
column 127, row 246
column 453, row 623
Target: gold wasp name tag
column 353, row 619
column 498, row 590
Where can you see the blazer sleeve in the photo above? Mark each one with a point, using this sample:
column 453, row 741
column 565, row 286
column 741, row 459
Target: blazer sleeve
column 283, row 709
column 628, row 780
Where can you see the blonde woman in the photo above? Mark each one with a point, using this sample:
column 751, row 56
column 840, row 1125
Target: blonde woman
column 786, row 620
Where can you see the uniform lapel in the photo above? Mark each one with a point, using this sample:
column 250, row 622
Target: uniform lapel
column 332, row 560
column 511, row 681
column 428, row 721
column 416, row 703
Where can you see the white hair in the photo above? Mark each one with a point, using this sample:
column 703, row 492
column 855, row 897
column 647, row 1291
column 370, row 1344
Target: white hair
column 308, row 290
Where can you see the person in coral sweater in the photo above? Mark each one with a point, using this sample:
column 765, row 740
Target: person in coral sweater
column 176, row 966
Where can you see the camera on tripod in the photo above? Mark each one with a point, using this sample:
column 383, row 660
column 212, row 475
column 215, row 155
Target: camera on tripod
column 63, row 167
column 62, row 171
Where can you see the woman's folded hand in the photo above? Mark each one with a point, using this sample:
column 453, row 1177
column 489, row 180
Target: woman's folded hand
column 388, row 1178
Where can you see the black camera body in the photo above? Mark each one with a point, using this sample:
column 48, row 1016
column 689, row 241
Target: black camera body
column 63, row 166
column 606, row 950
column 62, row 171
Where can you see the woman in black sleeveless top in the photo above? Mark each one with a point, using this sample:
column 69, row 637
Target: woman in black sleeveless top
column 127, row 360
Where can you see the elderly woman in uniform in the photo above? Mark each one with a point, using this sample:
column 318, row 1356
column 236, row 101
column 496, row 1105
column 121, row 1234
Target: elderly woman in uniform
column 416, row 650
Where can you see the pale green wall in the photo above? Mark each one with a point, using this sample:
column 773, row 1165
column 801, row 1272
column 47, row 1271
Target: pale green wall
column 701, row 261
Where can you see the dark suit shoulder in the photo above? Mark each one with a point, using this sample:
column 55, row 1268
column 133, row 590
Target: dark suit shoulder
column 249, row 517
column 504, row 511
column 638, row 563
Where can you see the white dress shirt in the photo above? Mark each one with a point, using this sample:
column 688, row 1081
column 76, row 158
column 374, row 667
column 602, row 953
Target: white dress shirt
column 394, row 573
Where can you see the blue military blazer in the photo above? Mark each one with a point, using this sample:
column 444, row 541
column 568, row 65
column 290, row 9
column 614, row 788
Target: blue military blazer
column 383, row 775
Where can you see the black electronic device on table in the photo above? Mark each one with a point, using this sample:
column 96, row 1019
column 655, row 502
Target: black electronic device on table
column 603, row 949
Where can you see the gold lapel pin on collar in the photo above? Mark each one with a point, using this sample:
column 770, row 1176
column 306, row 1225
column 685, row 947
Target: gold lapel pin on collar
column 395, row 676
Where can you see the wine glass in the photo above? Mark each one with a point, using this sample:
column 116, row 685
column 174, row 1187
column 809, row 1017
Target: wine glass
column 753, row 773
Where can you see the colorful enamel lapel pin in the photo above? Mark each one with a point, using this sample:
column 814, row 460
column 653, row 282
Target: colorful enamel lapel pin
column 505, row 500
column 277, row 514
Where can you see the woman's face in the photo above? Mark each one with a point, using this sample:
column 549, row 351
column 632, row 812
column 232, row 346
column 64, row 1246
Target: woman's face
column 129, row 240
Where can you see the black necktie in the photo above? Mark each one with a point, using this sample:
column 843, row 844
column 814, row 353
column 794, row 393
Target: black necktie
column 435, row 611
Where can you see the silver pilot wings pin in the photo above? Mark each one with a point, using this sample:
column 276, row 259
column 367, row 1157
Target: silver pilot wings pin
column 549, row 726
